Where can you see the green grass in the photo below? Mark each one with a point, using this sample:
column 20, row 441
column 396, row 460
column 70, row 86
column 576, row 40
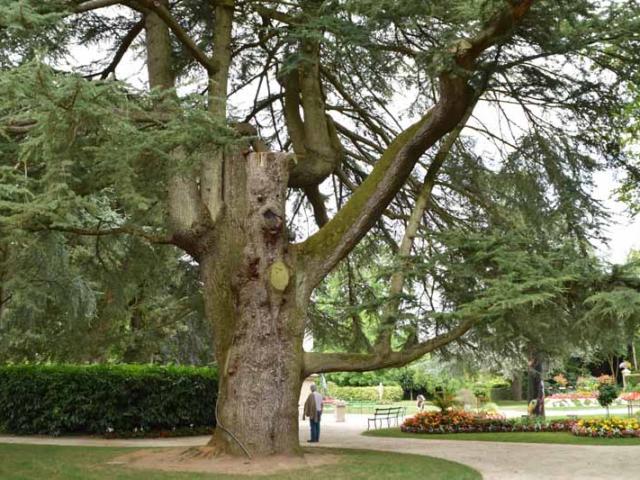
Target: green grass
column 35, row 462
column 512, row 403
column 510, row 437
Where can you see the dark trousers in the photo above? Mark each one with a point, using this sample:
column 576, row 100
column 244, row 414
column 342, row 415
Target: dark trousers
column 315, row 428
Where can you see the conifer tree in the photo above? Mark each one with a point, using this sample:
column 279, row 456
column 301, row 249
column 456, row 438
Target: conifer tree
column 186, row 164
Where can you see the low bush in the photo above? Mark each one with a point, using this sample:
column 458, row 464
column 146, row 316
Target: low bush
column 586, row 384
column 365, row 379
column 633, row 380
column 446, row 400
column 392, row 393
column 607, row 427
column 458, row 421
column 607, row 394
column 105, row 399
column 501, row 393
column 490, row 407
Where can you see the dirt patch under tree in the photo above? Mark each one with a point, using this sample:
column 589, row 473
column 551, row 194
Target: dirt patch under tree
column 179, row 460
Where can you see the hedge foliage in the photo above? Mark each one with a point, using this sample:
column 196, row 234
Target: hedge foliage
column 501, row 393
column 633, row 380
column 390, row 393
column 103, row 399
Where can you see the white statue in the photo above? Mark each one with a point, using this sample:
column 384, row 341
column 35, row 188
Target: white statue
column 625, row 373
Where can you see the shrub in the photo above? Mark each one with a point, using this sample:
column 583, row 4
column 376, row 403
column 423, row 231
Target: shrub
column 104, row 399
column 465, row 422
column 501, row 393
column 481, row 391
column 602, row 379
column 561, row 380
column 633, row 380
column 607, row 393
column 365, row 379
column 490, row 407
column 607, row 427
column 586, row 384
column 445, row 400
column 391, row 393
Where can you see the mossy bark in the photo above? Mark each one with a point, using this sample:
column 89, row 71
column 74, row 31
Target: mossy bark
column 231, row 218
column 251, row 287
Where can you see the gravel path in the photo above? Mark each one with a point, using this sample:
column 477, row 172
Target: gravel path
column 500, row 461
column 496, row 461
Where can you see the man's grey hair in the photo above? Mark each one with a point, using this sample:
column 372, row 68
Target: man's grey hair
column 313, row 387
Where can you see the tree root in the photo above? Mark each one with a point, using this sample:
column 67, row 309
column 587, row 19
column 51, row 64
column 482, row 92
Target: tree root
column 206, row 452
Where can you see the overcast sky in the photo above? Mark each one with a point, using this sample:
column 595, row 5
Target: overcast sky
column 624, row 232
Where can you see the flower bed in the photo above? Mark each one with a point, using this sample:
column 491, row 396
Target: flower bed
column 573, row 396
column 607, row 427
column 571, row 399
column 465, row 422
column 631, row 396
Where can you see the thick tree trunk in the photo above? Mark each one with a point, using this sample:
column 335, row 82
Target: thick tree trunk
column 516, row 386
column 258, row 394
column 536, row 382
column 232, row 219
column 252, row 292
column 4, row 295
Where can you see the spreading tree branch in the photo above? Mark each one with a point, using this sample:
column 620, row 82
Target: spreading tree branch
column 163, row 12
column 362, row 362
column 338, row 237
column 317, row 202
column 128, row 39
column 101, row 232
column 422, row 203
column 96, row 4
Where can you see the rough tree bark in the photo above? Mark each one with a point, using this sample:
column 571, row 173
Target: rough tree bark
column 230, row 216
column 422, row 205
column 251, row 282
column 4, row 295
column 536, row 382
column 516, row 386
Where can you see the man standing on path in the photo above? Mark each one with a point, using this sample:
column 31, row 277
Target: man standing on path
column 313, row 410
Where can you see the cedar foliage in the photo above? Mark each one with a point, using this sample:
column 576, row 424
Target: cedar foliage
column 81, row 152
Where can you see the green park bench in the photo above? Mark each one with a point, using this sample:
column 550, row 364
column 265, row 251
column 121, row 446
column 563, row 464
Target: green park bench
column 388, row 413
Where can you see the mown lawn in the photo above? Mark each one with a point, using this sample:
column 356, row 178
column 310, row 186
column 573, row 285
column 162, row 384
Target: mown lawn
column 36, row 462
column 509, row 437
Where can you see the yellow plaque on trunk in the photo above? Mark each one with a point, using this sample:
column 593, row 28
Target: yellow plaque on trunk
column 279, row 275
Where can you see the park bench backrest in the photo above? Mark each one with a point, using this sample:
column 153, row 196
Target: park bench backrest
column 383, row 412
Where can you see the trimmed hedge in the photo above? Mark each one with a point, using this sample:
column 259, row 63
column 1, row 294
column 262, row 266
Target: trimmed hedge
column 105, row 399
column 391, row 393
column 501, row 393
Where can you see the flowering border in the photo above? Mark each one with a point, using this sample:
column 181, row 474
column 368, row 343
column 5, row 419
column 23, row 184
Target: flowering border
column 613, row 427
column 465, row 422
